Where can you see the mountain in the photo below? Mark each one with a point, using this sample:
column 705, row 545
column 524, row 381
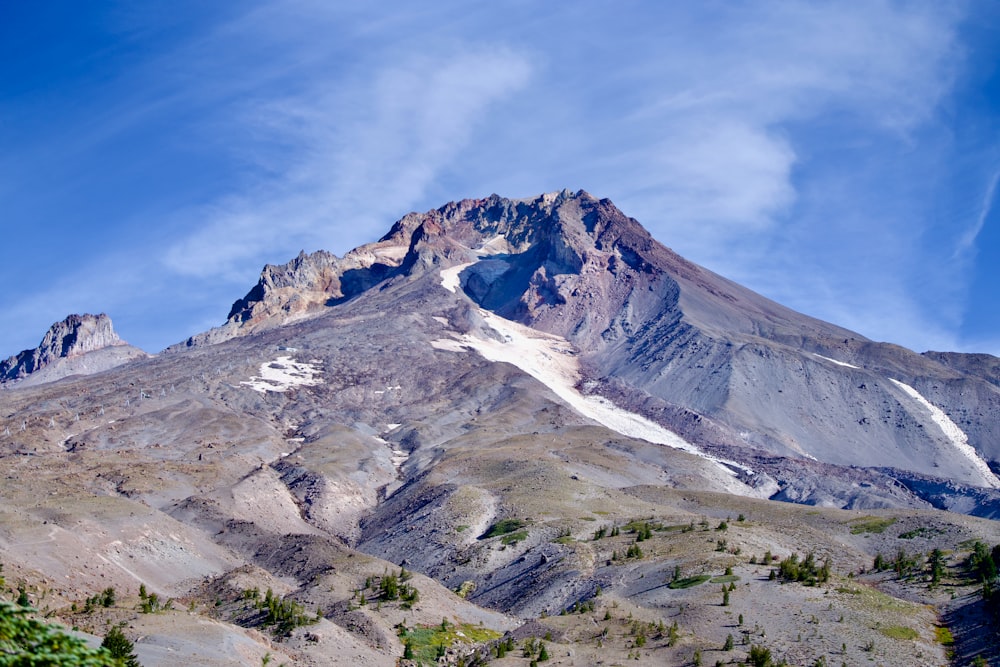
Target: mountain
column 734, row 373
column 80, row 344
column 540, row 419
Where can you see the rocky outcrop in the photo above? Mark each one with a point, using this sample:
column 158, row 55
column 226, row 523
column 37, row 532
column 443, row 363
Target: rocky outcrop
column 67, row 341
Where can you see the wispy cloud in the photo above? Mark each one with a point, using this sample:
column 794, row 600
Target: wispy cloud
column 967, row 241
column 356, row 157
column 797, row 147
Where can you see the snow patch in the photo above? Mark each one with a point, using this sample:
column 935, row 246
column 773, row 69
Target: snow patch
column 954, row 434
column 834, row 361
column 552, row 361
column 284, row 373
column 449, row 277
column 495, row 246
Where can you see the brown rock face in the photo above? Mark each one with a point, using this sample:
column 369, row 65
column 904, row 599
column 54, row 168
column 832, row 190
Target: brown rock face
column 72, row 337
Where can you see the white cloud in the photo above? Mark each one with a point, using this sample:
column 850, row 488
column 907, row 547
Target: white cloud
column 967, row 241
column 357, row 157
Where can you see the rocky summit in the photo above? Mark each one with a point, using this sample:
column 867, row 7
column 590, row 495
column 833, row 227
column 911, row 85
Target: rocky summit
column 511, row 430
column 64, row 347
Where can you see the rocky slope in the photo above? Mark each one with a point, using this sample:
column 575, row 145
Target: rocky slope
column 80, row 344
column 737, row 374
column 518, row 408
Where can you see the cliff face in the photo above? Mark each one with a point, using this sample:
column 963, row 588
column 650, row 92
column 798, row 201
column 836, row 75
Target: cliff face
column 67, row 341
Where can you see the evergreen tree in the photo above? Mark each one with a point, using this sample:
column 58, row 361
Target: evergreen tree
column 936, row 563
column 30, row 642
column 543, row 653
column 120, row 648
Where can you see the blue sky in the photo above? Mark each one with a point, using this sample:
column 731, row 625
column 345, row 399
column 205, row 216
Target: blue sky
column 841, row 158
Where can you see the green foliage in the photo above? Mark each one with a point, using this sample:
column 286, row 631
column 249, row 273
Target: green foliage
column 643, row 531
column 503, row 527
column 982, row 562
column 903, row 564
column 284, row 614
column 688, row 582
column 871, row 524
column 806, row 571
column 120, row 648
column 920, row 532
column 426, row 641
column 389, row 587
column 27, row 642
column 22, row 596
column 935, row 562
column 760, row 656
column 728, row 646
column 514, row 538
column 673, row 634
column 899, row 632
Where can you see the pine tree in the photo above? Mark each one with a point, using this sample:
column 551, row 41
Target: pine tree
column 120, row 648
column 543, row 653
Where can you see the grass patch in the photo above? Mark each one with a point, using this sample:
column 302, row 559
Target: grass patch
column 565, row 539
column 503, row 527
column 920, row 532
column 724, row 579
column 688, row 582
column 589, row 518
column 899, row 632
column 943, row 636
column 462, row 528
column 426, row 640
column 869, row 599
column 514, row 538
column 635, row 526
column 680, row 527
column 871, row 524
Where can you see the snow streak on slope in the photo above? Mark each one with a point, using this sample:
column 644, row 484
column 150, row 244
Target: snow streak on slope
column 834, row 361
column 954, row 434
column 449, row 277
column 552, row 361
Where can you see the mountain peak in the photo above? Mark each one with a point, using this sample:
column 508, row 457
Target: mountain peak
column 69, row 339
